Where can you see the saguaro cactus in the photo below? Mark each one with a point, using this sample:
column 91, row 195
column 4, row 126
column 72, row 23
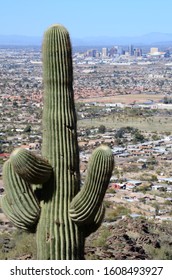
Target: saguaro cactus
column 68, row 214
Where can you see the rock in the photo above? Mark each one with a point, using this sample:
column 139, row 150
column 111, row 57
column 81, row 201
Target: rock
column 120, row 244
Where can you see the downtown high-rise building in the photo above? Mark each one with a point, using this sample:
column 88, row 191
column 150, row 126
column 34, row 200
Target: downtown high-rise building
column 131, row 50
column 104, row 52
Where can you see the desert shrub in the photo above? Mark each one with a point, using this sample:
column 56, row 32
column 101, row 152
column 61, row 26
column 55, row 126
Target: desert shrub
column 110, row 190
column 108, row 204
column 20, row 244
column 101, row 240
column 116, row 213
column 163, row 253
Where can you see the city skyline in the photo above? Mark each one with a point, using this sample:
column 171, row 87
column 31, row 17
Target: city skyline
column 86, row 19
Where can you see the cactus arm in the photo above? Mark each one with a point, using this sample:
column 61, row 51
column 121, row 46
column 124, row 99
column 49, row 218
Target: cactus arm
column 32, row 168
column 20, row 203
column 85, row 205
column 13, row 216
column 95, row 224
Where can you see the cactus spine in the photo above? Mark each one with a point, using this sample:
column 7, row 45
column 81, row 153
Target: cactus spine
column 68, row 213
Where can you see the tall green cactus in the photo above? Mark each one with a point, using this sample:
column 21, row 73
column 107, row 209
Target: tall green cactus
column 68, row 214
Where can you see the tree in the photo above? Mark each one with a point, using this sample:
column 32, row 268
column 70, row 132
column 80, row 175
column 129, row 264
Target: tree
column 102, row 129
column 15, row 104
column 27, row 128
column 138, row 137
column 87, row 132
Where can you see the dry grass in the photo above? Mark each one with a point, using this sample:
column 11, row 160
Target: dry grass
column 147, row 124
column 125, row 99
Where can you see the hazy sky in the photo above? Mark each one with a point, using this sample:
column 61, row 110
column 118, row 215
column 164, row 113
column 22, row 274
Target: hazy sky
column 85, row 18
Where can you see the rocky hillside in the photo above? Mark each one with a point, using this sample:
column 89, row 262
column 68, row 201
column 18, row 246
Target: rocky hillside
column 128, row 238
column 132, row 239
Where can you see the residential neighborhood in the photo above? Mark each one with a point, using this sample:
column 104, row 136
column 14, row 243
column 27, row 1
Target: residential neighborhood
column 122, row 100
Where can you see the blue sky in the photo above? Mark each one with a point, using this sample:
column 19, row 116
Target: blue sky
column 84, row 18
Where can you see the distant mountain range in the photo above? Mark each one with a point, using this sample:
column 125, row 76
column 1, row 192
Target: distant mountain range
column 19, row 40
column 147, row 39
column 155, row 38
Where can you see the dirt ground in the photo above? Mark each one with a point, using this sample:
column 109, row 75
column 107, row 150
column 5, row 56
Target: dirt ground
column 125, row 99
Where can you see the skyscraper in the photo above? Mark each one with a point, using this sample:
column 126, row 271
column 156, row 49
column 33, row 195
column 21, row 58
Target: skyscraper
column 137, row 52
column 131, row 50
column 104, row 52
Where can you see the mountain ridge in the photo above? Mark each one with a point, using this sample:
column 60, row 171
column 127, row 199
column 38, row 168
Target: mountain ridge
column 147, row 39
